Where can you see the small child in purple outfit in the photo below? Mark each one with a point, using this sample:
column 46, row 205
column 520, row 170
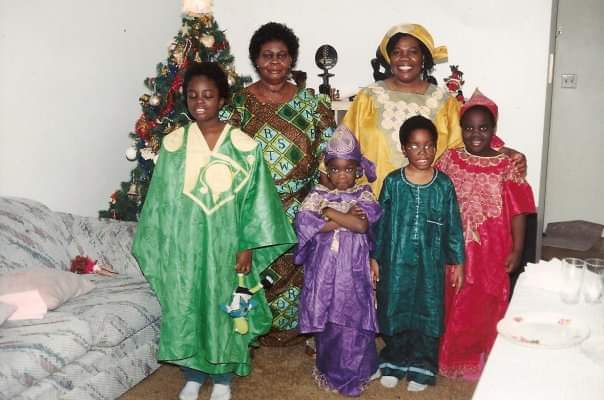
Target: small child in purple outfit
column 337, row 304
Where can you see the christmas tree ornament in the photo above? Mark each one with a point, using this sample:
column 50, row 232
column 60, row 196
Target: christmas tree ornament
column 207, row 20
column 144, row 99
column 208, row 41
column 154, row 100
column 163, row 109
column 196, row 8
column 131, row 153
column 147, row 153
column 454, row 82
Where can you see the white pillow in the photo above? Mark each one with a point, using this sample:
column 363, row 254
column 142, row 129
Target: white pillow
column 6, row 310
column 55, row 286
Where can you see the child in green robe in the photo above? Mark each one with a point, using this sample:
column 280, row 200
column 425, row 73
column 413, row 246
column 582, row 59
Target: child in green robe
column 420, row 231
column 211, row 212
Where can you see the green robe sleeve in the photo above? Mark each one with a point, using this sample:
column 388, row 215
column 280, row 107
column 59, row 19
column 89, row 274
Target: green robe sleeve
column 383, row 225
column 264, row 225
column 146, row 247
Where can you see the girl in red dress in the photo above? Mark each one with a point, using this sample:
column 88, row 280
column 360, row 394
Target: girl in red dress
column 494, row 201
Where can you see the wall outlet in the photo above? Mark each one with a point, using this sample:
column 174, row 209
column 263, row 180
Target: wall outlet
column 569, row 81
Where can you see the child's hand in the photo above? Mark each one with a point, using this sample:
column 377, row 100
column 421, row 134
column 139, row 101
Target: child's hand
column 374, row 270
column 243, row 261
column 512, row 261
column 457, row 277
column 357, row 212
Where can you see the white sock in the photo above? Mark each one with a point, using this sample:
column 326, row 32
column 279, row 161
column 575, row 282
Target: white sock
column 190, row 391
column 221, row 392
column 416, row 387
column 389, row 381
column 376, row 375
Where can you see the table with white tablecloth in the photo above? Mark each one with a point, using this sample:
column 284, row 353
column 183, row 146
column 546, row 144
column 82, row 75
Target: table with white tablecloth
column 515, row 371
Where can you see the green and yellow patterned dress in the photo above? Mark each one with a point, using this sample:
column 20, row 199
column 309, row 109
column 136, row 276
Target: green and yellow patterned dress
column 292, row 136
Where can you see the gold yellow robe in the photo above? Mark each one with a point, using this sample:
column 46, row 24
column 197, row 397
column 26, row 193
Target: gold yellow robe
column 377, row 113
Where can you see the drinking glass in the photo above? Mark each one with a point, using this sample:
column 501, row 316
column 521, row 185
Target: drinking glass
column 572, row 279
column 593, row 285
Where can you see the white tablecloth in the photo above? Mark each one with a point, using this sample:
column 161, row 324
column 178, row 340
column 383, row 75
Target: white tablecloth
column 518, row 372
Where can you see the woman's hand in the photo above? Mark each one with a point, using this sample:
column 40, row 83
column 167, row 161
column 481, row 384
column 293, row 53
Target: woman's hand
column 457, row 277
column 374, row 270
column 513, row 261
column 518, row 160
column 243, row 261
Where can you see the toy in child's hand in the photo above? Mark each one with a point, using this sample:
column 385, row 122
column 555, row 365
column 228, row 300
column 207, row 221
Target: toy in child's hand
column 86, row 265
column 242, row 302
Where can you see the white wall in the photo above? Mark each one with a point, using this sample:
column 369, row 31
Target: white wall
column 501, row 47
column 71, row 73
column 575, row 185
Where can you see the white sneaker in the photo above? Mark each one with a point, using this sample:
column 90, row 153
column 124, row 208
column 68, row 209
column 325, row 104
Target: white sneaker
column 221, row 392
column 389, row 381
column 413, row 386
column 190, row 391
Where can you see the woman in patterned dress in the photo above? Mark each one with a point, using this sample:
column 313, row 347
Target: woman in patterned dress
column 292, row 125
column 405, row 89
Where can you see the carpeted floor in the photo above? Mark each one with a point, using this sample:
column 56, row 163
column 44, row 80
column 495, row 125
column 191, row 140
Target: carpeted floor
column 285, row 373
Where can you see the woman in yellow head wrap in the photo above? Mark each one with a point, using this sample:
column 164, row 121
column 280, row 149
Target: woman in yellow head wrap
column 404, row 90
column 408, row 54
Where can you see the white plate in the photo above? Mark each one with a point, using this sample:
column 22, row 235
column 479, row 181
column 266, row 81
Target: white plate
column 594, row 349
column 543, row 330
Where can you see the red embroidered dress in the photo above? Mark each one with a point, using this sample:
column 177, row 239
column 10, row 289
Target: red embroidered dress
column 489, row 193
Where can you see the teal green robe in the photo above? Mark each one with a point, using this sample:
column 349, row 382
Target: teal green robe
column 204, row 206
column 420, row 231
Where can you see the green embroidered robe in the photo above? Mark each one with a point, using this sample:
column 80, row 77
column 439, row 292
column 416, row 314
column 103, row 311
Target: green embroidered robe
column 204, row 206
column 420, row 230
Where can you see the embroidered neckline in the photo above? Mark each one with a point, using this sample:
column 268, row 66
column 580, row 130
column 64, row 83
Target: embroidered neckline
column 425, row 185
column 254, row 98
column 353, row 189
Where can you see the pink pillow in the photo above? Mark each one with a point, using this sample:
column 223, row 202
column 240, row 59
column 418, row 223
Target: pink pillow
column 56, row 287
column 30, row 305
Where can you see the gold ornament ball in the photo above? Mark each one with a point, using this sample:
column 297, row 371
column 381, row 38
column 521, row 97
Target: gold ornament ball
column 144, row 99
column 131, row 153
column 208, row 41
column 154, row 100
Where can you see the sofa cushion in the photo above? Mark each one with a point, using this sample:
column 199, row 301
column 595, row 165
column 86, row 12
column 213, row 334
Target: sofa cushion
column 117, row 308
column 107, row 241
column 31, row 235
column 6, row 310
column 31, row 350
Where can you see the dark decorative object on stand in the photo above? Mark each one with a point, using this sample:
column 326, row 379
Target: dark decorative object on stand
column 326, row 58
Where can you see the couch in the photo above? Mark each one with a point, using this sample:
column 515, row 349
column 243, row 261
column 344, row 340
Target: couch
column 95, row 346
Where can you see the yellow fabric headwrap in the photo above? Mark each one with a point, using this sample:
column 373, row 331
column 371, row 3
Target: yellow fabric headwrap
column 439, row 54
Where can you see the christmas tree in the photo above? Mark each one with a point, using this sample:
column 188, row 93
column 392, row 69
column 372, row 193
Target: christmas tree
column 164, row 110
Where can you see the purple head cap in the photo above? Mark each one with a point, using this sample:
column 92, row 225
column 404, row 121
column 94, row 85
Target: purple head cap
column 344, row 145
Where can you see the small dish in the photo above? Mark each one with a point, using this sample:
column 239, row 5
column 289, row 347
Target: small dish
column 543, row 330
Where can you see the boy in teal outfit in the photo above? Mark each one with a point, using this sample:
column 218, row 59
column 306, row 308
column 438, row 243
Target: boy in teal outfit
column 420, row 231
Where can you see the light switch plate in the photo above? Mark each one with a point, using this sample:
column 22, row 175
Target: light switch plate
column 569, row 81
